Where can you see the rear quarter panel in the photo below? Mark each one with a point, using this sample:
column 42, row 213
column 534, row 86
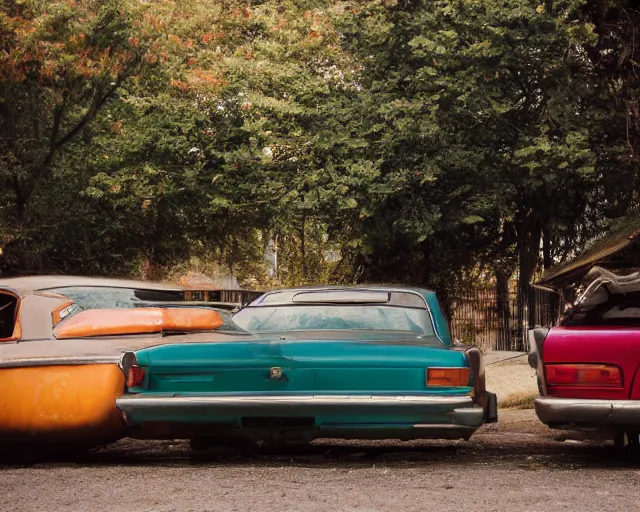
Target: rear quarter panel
column 74, row 403
column 618, row 346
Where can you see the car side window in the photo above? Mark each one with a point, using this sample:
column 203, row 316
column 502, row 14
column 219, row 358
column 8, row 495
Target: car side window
column 8, row 315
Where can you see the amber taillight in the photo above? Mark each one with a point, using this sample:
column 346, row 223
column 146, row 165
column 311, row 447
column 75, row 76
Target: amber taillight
column 586, row 375
column 455, row 377
column 135, row 376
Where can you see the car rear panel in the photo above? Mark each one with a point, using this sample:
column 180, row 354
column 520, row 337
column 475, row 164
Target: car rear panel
column 307, row 367
column 618, row 346
column 383, row 381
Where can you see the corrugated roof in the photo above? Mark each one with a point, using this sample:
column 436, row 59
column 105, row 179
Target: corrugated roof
column 622, row 235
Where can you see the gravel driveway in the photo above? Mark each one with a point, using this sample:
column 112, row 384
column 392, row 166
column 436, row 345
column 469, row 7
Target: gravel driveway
column 516, row 465
column 511, row 376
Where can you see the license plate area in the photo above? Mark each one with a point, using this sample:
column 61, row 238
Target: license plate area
column 277, row 422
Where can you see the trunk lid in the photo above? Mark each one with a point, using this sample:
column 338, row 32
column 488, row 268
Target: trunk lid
column 619, row 346
column 374, row 363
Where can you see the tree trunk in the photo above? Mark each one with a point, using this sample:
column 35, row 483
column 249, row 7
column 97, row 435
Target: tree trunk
column 547, row 261
column 303, row 251
column 529, row 237
column 503, row 341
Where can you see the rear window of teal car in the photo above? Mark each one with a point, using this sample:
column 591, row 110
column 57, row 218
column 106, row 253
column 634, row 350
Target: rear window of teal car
column 321, row 317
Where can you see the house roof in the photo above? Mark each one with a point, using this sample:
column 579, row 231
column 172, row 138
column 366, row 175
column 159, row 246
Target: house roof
column 618, row 248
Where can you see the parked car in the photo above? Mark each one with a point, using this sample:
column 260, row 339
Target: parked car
column 587, row 365
column 62, row 341
column 341, row 362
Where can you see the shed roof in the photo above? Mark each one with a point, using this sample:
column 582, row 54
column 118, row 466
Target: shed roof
column 618, row 248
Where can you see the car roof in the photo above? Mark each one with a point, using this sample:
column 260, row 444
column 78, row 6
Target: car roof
column 29, row 284
column 368, row 287
column 286, row 296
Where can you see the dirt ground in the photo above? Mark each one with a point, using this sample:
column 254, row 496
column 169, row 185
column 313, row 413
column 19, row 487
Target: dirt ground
column 514, row 465
column 511, row 376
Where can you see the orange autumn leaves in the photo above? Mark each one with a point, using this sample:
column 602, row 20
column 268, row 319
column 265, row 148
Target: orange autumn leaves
column 68, row 42
column 59, row 45
column 219, row 39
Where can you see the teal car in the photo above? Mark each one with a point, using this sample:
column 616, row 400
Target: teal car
column 333, row 362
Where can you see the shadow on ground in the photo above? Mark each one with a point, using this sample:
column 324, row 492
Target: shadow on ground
column 519, row 441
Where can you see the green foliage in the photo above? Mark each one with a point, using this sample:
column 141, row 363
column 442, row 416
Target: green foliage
column 395, row 140
column 481, row 117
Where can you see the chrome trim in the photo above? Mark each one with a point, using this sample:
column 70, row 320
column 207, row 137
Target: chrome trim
column 438, row 426
column 127, row 360
column 450, row 409
column 307, row 399
column 582, row 411
column 603, row 277
column 471, row 417
column 60, row 361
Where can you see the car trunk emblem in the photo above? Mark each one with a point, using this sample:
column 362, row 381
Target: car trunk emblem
column 275, row 373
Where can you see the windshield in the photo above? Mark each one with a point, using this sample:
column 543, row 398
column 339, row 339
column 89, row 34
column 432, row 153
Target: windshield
column 98, row 297
column 320, row 317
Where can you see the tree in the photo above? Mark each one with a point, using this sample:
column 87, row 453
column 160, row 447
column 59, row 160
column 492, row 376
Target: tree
column 476, row 114
column 60, row 63
column 210, row 147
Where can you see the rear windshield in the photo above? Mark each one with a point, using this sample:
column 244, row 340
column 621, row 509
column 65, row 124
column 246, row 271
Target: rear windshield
column 321, row 317
column 98, row 297
column 615, row 310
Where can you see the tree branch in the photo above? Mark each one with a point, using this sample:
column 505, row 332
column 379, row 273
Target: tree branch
column 100, row 97
column 97, row 102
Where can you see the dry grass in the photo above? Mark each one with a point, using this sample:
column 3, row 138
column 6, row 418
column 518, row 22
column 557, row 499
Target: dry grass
column 519, row 400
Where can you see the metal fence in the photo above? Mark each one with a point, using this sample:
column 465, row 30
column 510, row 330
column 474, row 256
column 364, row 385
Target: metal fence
column 231, row 296
column 483, row 318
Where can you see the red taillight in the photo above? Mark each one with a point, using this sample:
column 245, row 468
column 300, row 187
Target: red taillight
column 135, row 377
column 590, row 375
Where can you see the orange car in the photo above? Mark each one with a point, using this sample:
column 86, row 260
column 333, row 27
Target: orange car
column 62, row 341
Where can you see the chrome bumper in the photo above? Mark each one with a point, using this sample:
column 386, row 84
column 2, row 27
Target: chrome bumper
column 578, row 412
column 454, row 411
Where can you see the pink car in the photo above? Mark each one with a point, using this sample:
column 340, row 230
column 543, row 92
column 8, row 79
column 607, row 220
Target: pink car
column 588, row 366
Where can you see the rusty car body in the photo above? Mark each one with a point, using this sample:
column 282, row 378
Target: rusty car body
column 62, row 341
